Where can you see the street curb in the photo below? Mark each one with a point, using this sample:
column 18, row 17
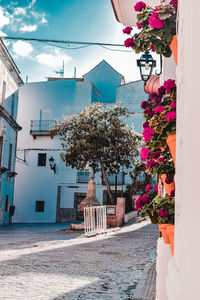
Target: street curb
column 146, row 288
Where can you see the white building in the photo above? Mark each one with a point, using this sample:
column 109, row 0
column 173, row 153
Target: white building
column 10, row 81
column 52, row 193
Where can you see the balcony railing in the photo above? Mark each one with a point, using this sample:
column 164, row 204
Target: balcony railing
column 82, row 177
column 41, row 127
column 111, row 179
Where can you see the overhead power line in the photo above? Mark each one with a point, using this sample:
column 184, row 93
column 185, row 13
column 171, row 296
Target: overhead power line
column 67, row 42
column 60, row 41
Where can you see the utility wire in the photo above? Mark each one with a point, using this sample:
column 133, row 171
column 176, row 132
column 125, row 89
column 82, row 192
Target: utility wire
column 60, row 41
column 84, row 44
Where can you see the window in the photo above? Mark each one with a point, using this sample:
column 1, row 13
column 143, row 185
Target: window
column 3, row 92
column 1, row 148
column 10, row 157
column 42, row 157
column 6, row 203
column 13, row 105
column 39, row 206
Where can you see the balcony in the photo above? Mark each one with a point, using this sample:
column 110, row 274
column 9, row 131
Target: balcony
column 111, row 179
column 41, row 127
column 82, row 177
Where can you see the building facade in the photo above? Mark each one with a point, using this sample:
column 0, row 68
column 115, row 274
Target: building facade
column 46, row 190
column 10, row 81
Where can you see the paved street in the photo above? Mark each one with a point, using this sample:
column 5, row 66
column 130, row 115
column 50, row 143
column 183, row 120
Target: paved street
column 46, row 263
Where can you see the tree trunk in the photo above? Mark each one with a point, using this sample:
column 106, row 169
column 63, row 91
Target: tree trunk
column 133, row 188
column 116, row 188
column 107, row 182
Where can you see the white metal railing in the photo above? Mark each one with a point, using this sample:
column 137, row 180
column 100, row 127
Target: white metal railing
column 95, row 221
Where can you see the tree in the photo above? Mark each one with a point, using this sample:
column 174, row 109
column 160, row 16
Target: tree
column 99, row 136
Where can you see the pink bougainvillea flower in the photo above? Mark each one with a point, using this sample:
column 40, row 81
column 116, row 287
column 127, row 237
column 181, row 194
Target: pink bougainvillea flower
column 151, row 163
column 144, row 104
column 149, row 112
column 158, row 109
column 163, row 213
column 127, row 30
column 148, row 187
column 172, row 194
column 139, row 25
column 138, row 204
column 145, row 124
column 155, row 155
column 155, row 22
column 169, row 84
column 161, row 159
column 173, row 105
column 145, row 152
column 170, row 116
column 129, row 43
column 155, row 188
column 174, row 3
column 161, row 91
column 152, row 48
column 147, row 133
column 169, row 180
column 139, row 6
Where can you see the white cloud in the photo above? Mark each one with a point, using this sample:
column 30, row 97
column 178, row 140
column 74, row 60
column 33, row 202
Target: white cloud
column 22, row 48
column 19, row 11
column 28, row 28
column 43, row 20
column 3, row 34
column 4, row 18
column 52, row 60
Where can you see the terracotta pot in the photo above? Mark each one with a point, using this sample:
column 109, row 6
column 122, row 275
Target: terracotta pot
column 152, row 85
column 168, row 187
column 171, row 142
column 173, row 47
column 170, row 233
column 163, row 229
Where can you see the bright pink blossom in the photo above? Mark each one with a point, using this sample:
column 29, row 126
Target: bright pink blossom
column 155, row 22
column 127, row 30
column 144, row 104
column 174, row 3
column 129, row 43
column 139, row 6
column 139, row 25
column 152, row 48
column 146, row 124
column 155, row 188
column 155, row 155
column 151, row 163
column 148, row 187
column 170, row 116
column 169, row 84
column 145, row 152
column 161, row 159
column 147, row 133
column 173, row 105
column 163, row 213
column 158, row 109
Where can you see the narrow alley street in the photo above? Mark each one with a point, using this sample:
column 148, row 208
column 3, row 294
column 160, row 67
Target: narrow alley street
column 53, row 264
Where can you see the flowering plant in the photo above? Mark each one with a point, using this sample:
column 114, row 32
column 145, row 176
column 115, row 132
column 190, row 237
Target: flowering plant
column 161, row 209
column 160, row 115
column 151, row 192
column 158, row 25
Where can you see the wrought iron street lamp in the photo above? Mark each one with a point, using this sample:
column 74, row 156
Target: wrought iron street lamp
column 52, row 164
column 146, row 63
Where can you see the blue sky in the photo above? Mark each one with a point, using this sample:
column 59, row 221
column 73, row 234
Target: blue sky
column 77, row 20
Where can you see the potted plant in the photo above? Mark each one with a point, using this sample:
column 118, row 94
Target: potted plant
column 160, row 115
column 161, row 211
column 157, row 28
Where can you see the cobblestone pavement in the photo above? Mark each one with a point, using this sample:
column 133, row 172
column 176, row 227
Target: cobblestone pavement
column 69, row 266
